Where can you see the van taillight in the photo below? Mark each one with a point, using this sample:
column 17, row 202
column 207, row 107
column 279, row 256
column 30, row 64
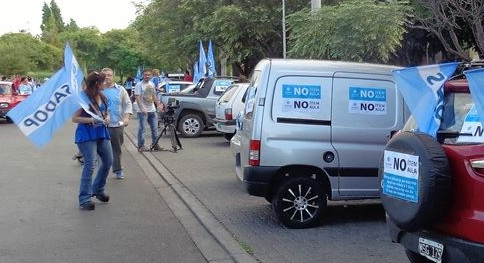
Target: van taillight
column 228, row 114
column 254, row 153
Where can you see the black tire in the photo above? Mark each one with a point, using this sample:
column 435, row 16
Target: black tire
column 9, row 120
column 228, row 136
column 434, row 182
column 190, row 125
column 299, row 203
column 416, row 258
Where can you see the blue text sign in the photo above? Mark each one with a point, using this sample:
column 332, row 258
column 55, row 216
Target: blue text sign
column 371, row 101
column 400, row 176
column 301, row 98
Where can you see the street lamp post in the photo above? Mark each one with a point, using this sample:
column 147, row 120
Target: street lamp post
column 283, row 29
column 315, row 5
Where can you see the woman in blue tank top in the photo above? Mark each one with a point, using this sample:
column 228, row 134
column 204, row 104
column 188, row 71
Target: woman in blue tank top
column 92, row 138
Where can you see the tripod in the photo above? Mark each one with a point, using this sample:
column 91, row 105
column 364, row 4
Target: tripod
column 169, row 126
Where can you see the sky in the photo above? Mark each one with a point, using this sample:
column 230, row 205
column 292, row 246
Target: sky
column 103, row 14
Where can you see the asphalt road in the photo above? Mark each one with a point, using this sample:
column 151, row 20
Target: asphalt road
column 40, row 220
column 353, row 232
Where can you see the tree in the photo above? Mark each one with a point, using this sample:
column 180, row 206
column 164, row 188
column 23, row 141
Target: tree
column 448, row 19
column 22, row 53
column 243, row 32
column 87, row 44
column 52, row 24
column 121, row 51
column 13, row 60
column 346, row 32
column 72, row 26
column 56, row 13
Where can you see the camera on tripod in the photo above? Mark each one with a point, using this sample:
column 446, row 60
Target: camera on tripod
column 168, row 119
column 170, row 108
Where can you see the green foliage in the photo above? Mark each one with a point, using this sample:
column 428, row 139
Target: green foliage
column 353, row 30
column 86, row 44
column 121, row 51
column 13, row 61
column 22, row 52
column 242, row 32
column 53, row 24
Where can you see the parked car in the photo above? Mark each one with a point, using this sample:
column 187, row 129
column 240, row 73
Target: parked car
column 441, row 216
column 197, row 110
column 314, row 130
column 228, row 106
column 8, row 100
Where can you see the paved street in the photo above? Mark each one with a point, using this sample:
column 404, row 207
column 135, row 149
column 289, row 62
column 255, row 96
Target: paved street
column 146, row 221
column 40, row 221
column 353, row 232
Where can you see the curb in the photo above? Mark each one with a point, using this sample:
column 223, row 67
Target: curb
column 214, row 241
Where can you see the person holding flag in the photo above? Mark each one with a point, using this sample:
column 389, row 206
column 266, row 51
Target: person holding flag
column 92, row 138
column 41, row 114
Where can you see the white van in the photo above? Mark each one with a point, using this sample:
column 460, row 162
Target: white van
column 315, row 130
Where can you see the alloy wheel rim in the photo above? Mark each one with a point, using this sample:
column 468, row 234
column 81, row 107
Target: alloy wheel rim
column 300, row 204
column 191, row 126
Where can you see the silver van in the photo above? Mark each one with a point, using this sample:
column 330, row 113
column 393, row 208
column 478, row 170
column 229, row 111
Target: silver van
column 315, row 130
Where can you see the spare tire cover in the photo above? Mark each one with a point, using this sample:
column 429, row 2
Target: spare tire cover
column 415, row 180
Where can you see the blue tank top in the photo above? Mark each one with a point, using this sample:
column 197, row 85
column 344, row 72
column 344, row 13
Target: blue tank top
column 91, row 132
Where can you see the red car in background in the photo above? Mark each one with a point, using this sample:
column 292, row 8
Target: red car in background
column 8, row 99
column 447, row 222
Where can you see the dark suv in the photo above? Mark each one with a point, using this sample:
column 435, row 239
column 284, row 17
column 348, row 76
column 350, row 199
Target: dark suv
column 445, row 223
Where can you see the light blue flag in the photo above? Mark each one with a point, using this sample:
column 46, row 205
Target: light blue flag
column 422, row 90
column 138, row 74
column 196, row 75
column 202, row 62
column 211, row 60
column 52, row 104
column 475, row 78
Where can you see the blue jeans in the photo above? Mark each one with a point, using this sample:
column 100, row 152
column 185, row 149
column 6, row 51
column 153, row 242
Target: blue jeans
column 89, row 151
column 153, row 122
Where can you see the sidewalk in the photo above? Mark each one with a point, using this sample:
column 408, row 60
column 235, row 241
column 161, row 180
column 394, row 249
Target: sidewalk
column 40, row 220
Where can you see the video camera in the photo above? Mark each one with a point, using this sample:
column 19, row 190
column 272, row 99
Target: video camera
column 169, row 115
column 172, row 105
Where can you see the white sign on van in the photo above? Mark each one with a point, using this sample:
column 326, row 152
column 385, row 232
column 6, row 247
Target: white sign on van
column 301, row 98
column 400, row 176
column 371, row 101
column 472, row 124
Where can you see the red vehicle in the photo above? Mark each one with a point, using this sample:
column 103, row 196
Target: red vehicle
column 8, row 99
column 447, row 222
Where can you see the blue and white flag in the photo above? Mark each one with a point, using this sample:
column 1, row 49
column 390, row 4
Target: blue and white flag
column 475, row 78
column 139, row 75
column 422, row 90
column 52, row 104
column 202, row 62
column 211, row 60
column 196, row 75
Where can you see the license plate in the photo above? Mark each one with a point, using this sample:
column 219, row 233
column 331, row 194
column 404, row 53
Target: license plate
column 430, row 249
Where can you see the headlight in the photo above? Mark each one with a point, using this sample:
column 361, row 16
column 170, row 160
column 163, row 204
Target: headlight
column 3, row 105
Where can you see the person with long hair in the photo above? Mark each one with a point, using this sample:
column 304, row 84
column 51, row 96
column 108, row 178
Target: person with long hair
column 92, row 138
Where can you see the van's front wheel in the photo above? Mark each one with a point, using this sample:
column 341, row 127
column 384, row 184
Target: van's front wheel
column 299, row 203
